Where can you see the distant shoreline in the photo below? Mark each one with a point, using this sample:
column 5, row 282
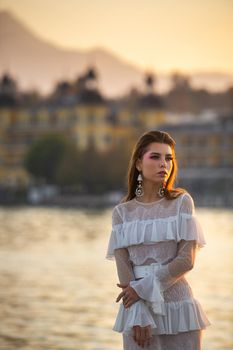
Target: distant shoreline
column 102, row 202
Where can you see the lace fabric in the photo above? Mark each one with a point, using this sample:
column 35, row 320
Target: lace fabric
column 144, row 254
column 166, row 232
column 182, row 341
column 135, row 223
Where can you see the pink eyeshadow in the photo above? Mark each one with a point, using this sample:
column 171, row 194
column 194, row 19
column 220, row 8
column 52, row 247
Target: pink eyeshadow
column 147, row 154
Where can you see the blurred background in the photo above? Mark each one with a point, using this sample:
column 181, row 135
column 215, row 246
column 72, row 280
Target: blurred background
column 80, row 81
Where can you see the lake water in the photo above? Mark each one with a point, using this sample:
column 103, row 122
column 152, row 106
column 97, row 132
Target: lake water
column 58, row 291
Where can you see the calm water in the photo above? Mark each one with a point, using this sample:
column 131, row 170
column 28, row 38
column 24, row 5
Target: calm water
column 57, row 290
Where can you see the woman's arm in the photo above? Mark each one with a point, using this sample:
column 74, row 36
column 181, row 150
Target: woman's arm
column 184, row 261
column 141, row 335
column 166, row 275
column 125, row 275
column 124, row 267
column 170, row 273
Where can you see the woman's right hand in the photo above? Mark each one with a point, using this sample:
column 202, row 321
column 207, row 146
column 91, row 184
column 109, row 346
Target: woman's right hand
column 142, row 335
column 128, row 295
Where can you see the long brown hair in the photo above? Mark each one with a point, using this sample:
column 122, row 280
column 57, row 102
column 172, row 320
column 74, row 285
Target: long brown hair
column 139, row 150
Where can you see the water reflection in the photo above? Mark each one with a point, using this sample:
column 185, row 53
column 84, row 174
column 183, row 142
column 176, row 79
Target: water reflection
column 58, row 292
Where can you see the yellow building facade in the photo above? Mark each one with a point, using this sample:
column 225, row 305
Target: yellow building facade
column 85, row 117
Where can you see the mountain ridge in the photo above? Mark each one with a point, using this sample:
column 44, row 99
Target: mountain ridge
column 38, row 64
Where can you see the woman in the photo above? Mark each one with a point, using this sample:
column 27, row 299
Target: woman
column 154, row 240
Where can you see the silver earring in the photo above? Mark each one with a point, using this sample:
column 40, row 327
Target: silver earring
column 139, row 190
column 161, row 191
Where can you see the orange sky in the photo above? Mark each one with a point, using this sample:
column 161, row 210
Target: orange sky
column 163, row 35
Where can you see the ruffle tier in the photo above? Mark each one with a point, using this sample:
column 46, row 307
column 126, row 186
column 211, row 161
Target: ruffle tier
column 177, row 228
column 136, row 315
column 181, row 316
column 152, row 292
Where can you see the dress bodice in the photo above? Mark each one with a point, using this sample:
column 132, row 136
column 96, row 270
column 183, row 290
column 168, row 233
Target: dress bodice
column 161, row 224
column 161, row 252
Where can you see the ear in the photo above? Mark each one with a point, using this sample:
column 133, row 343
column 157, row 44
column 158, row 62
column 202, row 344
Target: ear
column 139, row 165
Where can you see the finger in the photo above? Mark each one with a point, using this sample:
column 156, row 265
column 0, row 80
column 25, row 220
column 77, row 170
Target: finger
column 127, row 303
column 143, row 337
column 147, row 336
column 140, row 342
column 149, row 331
column 148, row 342
column 132, row 294
column 137, row 335
column 129, row 300
column 119, row 296
column 121, row 285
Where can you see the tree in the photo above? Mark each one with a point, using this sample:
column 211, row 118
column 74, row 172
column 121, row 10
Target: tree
column 104, row 171
column 93, row 176
column 44, row 157
column 69, row 172
column 116, row 164
column 58, row 161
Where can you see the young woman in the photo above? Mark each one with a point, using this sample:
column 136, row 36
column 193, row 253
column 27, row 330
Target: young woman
column 154, row 240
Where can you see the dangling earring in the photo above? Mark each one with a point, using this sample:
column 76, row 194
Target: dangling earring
column 139, row 190
column 161, row 191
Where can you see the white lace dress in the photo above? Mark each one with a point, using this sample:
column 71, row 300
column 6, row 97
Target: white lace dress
column 165, row 232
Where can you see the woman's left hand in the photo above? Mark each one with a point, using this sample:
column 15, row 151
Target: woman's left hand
column 128, row 295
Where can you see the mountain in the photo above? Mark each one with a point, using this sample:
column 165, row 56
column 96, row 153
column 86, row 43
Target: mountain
column 38, row 64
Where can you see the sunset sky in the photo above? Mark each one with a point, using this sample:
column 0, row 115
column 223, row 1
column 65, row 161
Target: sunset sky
column 162, row 35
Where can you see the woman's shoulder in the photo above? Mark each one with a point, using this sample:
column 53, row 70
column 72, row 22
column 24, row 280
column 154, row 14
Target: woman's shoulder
column 186, row 197
column 122, row 206
column 187, row 203
column 120, row 211
column 183, row 201
column 179, row 197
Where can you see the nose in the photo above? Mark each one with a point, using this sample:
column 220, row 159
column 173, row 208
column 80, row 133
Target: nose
column 162, row 163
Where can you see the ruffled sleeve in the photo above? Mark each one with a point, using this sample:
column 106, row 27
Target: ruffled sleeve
column 115, row 234
column 136, row 315
column 151, row 287
column 189, row 227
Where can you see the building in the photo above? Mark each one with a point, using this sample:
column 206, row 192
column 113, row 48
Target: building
column 205, row 159
column 79, row 111
column 76, row 110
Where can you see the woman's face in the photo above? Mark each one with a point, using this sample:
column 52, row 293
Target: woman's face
column 156, row 163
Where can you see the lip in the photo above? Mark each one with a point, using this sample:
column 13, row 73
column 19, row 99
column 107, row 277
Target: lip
column 162, row 173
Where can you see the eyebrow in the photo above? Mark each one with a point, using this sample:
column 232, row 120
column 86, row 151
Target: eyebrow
column 159, row 154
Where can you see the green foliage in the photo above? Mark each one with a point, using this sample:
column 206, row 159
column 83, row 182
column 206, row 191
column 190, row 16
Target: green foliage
column 69, row 168
column 103, row 171
column 45, row 156
column 58, row 161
